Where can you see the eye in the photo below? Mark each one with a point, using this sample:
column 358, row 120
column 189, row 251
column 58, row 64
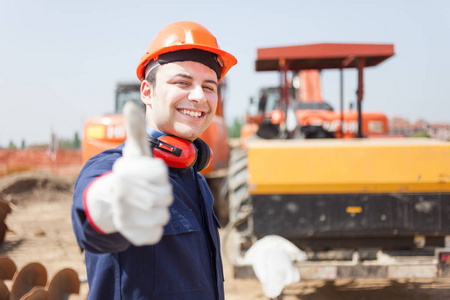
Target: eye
column 181, row 82
column 209, row 88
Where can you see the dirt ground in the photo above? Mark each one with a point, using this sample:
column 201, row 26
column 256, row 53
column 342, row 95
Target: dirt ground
column 41, row 230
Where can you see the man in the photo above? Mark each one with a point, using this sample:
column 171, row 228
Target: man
column 148, row 231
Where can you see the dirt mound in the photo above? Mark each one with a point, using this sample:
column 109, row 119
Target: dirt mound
column 40, row 227
column 21, row 188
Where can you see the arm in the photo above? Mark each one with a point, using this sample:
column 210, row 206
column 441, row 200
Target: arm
column 88, row 235
column 131, row 203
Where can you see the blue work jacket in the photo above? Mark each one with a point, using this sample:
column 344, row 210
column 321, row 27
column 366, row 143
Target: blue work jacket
column 185, row 265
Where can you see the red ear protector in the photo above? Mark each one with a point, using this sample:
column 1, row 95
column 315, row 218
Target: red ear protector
column 181, row 154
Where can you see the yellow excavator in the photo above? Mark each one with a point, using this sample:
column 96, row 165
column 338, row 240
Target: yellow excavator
column 359, row 207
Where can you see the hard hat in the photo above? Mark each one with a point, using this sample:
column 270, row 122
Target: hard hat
column 182, row 36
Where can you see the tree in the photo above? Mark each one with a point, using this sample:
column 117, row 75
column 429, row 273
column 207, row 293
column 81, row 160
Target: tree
column 76, row 141
column 420, row 134
column 12, row 145
column 234, row 131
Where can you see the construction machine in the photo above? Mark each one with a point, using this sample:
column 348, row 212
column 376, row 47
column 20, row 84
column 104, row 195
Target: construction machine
column 359, row 207
column 312, row 116
column 108, row 131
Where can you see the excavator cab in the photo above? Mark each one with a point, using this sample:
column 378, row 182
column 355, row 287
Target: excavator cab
column 127, row 92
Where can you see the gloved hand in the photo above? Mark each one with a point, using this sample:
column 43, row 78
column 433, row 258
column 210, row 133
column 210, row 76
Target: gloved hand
column 134, row 198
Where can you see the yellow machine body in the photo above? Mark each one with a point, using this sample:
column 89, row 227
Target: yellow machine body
column 393, row 165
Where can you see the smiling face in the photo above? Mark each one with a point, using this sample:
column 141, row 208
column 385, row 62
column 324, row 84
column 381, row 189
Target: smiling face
column 183, row 100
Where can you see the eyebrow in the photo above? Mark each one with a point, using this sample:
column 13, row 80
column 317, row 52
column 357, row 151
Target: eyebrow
column 190, row 77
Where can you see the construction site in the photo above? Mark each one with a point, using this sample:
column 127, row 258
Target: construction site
column 347, row 210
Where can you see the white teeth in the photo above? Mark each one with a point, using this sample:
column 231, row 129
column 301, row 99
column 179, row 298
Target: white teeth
column 195, row 114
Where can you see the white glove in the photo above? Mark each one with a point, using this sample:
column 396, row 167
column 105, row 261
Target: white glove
column 134, row 198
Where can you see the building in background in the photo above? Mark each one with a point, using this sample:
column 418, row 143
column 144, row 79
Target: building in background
column 401, row 126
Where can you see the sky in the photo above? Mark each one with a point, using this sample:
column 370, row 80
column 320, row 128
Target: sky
column 60, row 60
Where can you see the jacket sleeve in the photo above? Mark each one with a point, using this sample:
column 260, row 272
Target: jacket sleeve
column 87, row 236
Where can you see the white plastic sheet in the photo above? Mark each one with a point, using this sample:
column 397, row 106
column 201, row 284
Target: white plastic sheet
column 273, row 260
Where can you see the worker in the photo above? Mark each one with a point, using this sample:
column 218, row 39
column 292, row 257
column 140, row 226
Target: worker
column 142, row 212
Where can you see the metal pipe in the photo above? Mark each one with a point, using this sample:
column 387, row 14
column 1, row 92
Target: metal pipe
column 342, row 101
column 360, row 93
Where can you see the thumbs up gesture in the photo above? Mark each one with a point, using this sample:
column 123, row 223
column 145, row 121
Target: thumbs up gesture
column 143, row 192
column 134, row 198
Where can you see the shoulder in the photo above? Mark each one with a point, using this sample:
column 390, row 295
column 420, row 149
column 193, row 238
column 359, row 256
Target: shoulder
column 104, row 160
column 98, row 165
column 201, row 178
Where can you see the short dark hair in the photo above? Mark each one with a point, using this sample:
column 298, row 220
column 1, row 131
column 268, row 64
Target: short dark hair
column 151, row 77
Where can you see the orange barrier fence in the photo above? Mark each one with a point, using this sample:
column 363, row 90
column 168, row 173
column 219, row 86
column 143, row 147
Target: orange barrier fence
column 64, row 162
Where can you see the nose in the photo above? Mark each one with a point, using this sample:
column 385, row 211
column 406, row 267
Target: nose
column 197, row 95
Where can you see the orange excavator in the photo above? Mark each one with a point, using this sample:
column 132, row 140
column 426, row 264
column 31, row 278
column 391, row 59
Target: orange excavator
column 304, row 114
column 108, row 131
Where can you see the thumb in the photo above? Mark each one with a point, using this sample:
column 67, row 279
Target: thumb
column 136, row 143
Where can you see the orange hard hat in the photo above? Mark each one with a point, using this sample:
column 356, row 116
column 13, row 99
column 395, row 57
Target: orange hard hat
column 182, row 36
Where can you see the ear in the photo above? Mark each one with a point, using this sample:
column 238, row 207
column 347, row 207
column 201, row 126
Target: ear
column 146, row 92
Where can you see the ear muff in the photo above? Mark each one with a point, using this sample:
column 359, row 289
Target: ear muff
column 177, row 153
column 181, row 154
column 205, row 154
